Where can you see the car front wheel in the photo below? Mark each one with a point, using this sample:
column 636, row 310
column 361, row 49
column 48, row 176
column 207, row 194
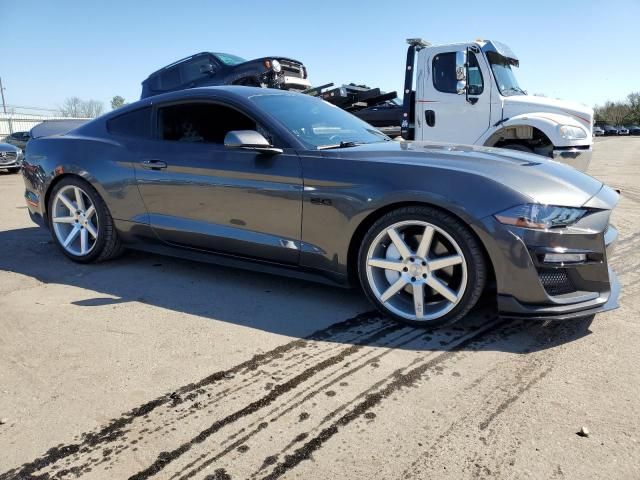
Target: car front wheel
column 80, row 222
column 421, row 266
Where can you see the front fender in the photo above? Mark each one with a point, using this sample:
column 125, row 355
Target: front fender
column 547, row 123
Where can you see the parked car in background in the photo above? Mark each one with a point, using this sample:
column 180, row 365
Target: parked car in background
column 609, row 130
column 210, row 69
column 10, row 157
column 281, row 182
column 622, row 130
column 597, row 131
column 633, row 129
column 19, row 139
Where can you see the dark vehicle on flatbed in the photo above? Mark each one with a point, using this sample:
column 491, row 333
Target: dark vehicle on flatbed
column 211, row 69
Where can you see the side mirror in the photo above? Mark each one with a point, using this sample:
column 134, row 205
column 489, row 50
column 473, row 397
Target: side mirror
column 249, row 140
column 461, row 72
column 208, row 69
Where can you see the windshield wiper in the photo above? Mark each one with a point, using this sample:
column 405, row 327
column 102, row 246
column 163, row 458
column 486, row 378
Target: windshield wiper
column 340, row 145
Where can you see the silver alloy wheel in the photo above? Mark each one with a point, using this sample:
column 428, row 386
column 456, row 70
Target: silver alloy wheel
column 410, row 276
column 74, row 219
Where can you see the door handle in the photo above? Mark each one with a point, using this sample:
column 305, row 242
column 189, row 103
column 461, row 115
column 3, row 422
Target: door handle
column 154, row 164
column 430, row 117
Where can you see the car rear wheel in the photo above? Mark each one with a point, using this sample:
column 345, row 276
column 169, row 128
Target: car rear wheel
column 80, row 222
column 421, row 266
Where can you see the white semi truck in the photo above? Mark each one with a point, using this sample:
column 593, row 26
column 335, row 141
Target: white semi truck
column 468, row 93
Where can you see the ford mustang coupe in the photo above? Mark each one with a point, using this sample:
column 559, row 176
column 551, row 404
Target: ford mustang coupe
column 286, row 183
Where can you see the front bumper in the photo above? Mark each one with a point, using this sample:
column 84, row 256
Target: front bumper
column 578, row 158
column 530, row 287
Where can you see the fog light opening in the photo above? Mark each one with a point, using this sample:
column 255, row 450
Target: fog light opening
column 565, row 257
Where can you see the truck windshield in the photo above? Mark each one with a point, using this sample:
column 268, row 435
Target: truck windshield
column 316, row 123
column 505, row 78
column 229, row 59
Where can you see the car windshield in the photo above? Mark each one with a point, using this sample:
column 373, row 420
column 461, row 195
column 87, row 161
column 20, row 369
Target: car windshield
column 316, row 123
column 229, row 59
column 505, row 78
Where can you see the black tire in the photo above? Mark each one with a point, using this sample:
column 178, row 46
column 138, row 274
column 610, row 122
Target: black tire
column 108, row 244
column 517, row 146
column 473, row 253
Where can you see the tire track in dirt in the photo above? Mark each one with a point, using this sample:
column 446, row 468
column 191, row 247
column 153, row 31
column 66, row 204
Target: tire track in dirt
column 165, row 458
column 351, row 329
column 398, row 381
column 307, row 394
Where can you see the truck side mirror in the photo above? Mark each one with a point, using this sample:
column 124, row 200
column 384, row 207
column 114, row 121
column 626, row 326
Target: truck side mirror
column 208, row 69
column 461, row 72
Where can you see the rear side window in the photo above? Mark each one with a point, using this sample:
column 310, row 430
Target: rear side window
column 201, row 122
column 132, row 124
column 170, row 78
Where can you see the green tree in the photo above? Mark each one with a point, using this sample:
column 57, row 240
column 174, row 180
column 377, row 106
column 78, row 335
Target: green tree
column 117, row 102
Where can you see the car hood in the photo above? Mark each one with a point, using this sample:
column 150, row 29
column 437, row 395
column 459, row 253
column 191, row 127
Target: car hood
column 540, row 179
column 7, row 147
column 518, row 104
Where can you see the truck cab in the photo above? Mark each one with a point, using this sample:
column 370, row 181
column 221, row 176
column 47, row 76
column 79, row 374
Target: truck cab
column 469, row 93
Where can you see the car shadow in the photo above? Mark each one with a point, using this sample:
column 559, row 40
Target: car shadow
column 275, row 304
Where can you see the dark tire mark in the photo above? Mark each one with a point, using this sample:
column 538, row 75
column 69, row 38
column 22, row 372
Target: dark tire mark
column 116, row 428
column 401, row 380
column 165, row 458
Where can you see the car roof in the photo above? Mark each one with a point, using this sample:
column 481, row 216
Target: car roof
column 237, row 92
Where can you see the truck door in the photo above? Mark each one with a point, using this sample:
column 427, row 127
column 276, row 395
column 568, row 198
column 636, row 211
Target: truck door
column 444, row 115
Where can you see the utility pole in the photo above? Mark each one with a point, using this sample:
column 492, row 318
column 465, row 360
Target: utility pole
column 4, row 105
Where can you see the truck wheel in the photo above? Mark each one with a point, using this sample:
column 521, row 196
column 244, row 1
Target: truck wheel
column 421, row 266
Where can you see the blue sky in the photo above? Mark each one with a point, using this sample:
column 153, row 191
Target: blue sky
column 585, row 51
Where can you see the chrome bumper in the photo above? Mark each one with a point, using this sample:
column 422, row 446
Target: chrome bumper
column 296, row 82
column 575, row 157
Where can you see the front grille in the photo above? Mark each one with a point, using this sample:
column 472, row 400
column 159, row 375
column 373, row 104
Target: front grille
column 291, row 69
column 556, row 281
column 8, row 157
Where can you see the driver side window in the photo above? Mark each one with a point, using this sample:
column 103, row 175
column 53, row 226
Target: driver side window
column 444, row 74
column 202, row 122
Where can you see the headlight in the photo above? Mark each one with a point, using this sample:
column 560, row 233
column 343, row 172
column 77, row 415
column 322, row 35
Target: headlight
column 534, row 215
column 275, row 64
column 570, row 132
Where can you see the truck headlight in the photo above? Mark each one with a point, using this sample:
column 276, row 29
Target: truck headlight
column 569, row 132
column 275, row 64
column 534, row 215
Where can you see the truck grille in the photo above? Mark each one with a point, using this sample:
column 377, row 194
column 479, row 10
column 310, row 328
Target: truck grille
column 556, row 281
column 291, row 69
column 8, row 157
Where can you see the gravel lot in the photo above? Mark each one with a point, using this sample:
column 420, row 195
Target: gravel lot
column 152, row 367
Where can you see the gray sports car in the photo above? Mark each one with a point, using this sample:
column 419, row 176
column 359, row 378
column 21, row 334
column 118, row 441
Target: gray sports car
column 286, row 183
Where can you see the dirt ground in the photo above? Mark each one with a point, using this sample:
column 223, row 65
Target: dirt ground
column 153, row 367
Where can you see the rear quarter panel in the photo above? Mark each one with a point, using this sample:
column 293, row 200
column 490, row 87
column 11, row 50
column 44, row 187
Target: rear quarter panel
column 101, row 161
